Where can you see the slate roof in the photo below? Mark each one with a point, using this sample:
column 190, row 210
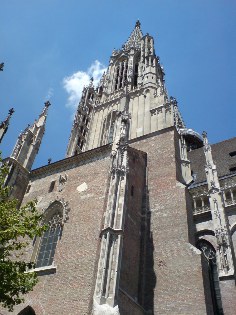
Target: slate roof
column 221, row 156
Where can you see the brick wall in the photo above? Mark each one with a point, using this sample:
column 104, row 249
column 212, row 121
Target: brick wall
column 228, row 295
column 130, row 264
column 174, row 281
column 70, row 289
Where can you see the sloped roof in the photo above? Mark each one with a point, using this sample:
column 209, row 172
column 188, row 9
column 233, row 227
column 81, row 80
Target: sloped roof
column 221, row 157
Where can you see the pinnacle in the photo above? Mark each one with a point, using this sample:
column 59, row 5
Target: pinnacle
column 11, row 111
column 47, row 104
column 134, row 38
column 45, row 109
column 137, row 24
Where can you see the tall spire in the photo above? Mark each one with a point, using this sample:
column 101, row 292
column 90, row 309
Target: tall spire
column 22, row 158
column 134, row 40
column 29, row 140
column 45, row 109
column 4, row 125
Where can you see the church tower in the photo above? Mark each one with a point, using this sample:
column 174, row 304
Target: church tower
column 137, row 66
column 134, row 87
column 22, row 158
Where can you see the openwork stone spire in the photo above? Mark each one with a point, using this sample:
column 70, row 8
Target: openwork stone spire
column 134, row 41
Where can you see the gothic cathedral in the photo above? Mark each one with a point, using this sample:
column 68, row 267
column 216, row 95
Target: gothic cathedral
column 141, row 212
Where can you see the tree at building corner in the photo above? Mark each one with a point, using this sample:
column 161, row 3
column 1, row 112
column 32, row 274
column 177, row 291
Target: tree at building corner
column 17, row 227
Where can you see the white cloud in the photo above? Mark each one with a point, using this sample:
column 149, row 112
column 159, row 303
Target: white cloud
column 74, row 84
column 50, row 93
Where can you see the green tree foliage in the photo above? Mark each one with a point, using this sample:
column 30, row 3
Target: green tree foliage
column 18, row 226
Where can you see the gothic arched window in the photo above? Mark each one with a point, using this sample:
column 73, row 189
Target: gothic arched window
column 210, row 255
column 48, row 242
column 108, row 128
column 135, row 70
column 121, row 74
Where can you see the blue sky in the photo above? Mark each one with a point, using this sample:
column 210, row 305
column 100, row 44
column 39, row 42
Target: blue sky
column 49, row 47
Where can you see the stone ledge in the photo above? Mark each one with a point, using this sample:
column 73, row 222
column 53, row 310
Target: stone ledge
column 41, row 271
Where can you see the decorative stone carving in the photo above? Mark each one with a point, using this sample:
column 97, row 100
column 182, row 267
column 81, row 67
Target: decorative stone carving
column 17, row 147
column 199, row 191
column 134, row 40
column 207, row 147
column 62, row 182
column 61, row 203
column 222, row 242
column 229, row 182
column 107, row 282
column 156, row 110
column 56, row 220
column 168, row 108
column 225, row 262
column 207, row 251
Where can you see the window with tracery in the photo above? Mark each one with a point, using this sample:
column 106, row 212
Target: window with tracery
column 121, row 74
column 108, row 128
column 49, row 239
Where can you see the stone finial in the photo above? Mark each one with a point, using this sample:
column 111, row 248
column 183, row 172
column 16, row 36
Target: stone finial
column 4, row 124
column 47, row 104
column 134, row 40
column 91, row 82
column 205, row 140
column 11, row 111
column 6, row 121
column 137, row 24
column 206, row 143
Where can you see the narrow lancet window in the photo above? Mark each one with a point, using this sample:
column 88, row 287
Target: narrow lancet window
column 121, row 74
column 108, row 128
column 136, row 75
column 49, row 241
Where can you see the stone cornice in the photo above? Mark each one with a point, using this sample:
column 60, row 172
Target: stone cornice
column 72, row 161
column 88, row 155
column 135, row 92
